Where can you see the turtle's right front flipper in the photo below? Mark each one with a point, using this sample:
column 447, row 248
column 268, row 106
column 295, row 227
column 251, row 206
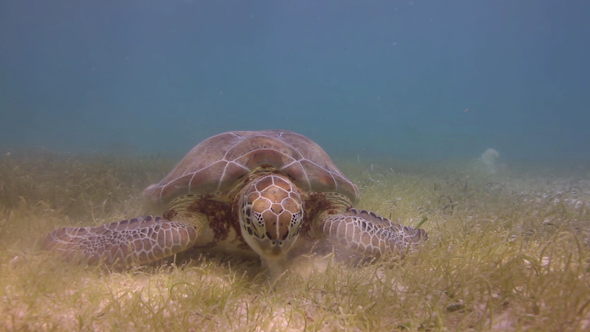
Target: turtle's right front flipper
column 369, row 234
column 127, row 242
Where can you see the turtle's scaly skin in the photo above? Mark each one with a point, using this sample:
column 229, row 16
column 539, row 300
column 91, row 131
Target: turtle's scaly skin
column 262, row 191
column 136, row 241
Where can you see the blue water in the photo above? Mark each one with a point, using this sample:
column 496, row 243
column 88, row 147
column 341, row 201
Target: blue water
column 404, row 79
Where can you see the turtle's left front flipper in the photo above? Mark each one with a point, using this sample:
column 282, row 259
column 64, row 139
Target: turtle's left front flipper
column 123, row 243
column 368, row 234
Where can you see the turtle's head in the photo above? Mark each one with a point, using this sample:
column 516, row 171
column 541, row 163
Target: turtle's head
column 271, row 214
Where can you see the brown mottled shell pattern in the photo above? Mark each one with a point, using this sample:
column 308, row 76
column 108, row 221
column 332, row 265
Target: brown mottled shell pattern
column 219, row 164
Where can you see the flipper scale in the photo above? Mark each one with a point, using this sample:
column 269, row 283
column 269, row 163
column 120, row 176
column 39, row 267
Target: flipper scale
column 369, row 234
column 127, row 242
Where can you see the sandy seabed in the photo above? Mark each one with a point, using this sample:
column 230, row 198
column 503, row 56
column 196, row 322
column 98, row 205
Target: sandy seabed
column 508, row 251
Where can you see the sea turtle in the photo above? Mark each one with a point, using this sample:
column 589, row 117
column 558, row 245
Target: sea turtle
column 265, row 192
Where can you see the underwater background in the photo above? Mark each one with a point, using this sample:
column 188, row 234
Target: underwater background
column 415, row 79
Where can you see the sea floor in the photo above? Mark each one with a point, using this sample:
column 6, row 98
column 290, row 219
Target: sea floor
column 508, row 251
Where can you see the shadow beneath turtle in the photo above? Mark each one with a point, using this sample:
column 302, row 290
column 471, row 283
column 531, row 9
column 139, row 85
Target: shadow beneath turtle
column 303, row 262
column 247, row 266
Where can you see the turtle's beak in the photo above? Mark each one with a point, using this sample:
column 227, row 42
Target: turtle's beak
column 273, row 249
